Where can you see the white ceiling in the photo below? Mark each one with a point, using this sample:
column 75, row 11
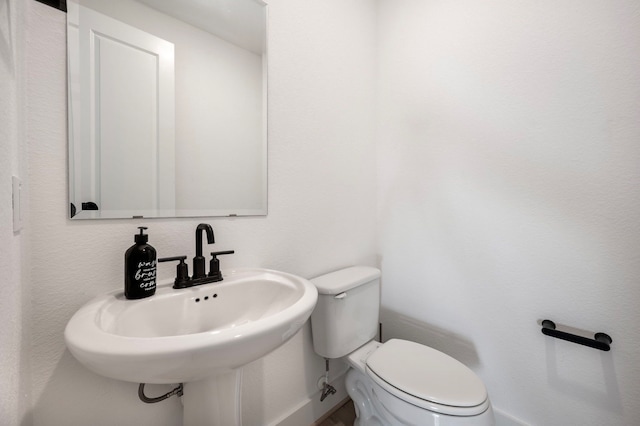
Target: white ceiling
column 241, row 22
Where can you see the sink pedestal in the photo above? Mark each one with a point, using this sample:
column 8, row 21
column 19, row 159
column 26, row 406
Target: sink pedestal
column 213, row 401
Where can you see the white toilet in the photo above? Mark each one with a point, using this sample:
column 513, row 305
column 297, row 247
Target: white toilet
column 397, row 382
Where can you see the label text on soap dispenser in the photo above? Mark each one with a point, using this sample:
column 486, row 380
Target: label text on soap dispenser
column 146, row 274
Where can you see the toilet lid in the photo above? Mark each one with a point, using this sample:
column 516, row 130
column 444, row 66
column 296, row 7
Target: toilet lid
column 425, row 374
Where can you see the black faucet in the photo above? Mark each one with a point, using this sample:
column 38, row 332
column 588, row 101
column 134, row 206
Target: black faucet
column 199, row 273
column 199, row 260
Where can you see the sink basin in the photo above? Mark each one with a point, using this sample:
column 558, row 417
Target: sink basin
column 179, row 336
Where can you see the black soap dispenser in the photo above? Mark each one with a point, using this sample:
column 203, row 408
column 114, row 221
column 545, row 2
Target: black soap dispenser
column 140, row 268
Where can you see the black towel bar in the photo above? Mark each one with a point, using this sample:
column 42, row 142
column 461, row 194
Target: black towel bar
column 600, row 341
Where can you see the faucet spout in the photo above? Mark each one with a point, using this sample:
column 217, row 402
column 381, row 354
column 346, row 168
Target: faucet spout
column 199, row 260
column 210, row 238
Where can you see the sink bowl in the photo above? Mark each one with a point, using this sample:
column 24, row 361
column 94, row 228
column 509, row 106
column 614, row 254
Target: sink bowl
column 179, row 336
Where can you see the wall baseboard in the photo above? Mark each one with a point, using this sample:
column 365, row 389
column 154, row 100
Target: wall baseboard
column 311, row 409
column 504, row 419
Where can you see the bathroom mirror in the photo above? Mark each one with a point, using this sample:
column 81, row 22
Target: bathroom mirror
column 167, row 108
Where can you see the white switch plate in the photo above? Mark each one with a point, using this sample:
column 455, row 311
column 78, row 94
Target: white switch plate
column 16, row 184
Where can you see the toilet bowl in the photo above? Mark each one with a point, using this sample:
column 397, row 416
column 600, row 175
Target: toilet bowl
column 398, row 382
column 405, row 383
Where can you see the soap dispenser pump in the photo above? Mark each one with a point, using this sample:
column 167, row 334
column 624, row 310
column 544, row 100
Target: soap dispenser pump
column 140, row 268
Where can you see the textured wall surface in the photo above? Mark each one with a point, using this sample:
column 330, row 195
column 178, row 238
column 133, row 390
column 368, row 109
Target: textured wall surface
column 508, row 193
column 507, row 164
column 321, row 199
column 13, row 357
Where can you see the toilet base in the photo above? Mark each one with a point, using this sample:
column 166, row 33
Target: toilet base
column 376, row 407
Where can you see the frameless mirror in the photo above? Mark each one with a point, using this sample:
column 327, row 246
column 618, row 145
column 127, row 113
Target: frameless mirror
column 167, row 108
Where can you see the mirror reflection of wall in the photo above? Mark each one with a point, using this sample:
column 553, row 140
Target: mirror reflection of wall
column 131, row 131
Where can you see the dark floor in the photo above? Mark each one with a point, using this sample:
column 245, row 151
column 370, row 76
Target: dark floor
column 344, row 416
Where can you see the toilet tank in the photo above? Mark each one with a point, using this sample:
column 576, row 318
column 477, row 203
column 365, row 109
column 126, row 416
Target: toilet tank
column 346, row 315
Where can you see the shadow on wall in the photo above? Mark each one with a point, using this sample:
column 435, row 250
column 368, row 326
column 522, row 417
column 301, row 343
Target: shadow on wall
column 267, row 380
column 597, row 385
column 73, row 395
column 397, row 325
column 6, row 43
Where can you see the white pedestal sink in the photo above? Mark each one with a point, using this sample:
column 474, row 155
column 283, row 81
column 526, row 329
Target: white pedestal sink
column 200, row 336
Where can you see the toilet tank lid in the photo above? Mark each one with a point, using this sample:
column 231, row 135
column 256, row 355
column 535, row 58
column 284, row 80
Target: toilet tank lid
column 345, row 279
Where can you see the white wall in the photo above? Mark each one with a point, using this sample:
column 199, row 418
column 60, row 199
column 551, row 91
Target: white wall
column 508, row 173
column 321, row 199
column 507, row 158
column 14, row 384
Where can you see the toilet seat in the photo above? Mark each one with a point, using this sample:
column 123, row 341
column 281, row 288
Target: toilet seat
column 427, row 378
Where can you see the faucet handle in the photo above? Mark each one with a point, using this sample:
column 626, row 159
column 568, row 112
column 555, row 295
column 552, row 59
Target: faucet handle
column 218, row 253
column 182, row 271
column 214, row 264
